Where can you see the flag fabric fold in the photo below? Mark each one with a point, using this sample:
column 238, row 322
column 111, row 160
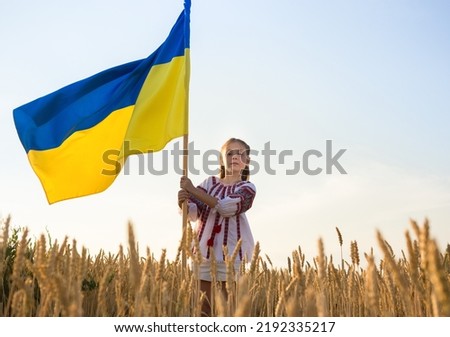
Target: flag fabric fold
column 78, row 137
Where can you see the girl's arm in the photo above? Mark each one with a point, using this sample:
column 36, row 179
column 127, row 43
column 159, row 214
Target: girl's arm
column 186, row 184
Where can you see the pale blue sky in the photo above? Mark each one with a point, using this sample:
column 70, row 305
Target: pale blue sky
column 372, row 76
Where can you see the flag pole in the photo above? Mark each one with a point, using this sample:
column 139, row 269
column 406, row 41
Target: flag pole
column 185, row 244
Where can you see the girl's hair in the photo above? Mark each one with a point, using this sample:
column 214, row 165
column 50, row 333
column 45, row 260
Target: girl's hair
column 246, row 171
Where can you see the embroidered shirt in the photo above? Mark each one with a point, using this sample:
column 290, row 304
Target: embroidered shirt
column 226, row 223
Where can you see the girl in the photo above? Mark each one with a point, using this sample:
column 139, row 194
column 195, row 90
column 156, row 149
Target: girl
column 219, row 205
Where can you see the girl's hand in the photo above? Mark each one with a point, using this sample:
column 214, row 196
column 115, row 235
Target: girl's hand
column 186, row 184
column 182, row 197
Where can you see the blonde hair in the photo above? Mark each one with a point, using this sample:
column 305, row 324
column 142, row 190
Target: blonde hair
column 246, row 171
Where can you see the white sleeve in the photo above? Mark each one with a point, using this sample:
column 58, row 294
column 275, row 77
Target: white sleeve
column 192, row 211
column 227, row 206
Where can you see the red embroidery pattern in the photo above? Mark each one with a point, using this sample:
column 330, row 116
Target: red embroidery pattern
column 238, row 227
column 216, row 230
column 246, row 194
column 225, row 234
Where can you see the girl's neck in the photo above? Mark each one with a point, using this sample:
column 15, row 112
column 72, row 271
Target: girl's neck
column 230, row 180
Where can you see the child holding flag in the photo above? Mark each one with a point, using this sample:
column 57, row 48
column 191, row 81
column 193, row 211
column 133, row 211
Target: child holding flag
column 218, row 206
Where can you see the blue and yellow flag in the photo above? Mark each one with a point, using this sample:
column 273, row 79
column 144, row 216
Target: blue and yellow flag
column 78, row 137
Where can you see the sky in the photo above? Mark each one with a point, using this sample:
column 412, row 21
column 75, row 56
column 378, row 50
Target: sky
column 371, row 78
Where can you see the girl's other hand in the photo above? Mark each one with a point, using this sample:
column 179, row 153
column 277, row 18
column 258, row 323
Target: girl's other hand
column 182, row 196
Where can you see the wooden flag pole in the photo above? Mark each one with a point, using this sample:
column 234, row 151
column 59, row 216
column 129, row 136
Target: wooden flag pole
column 185, row 244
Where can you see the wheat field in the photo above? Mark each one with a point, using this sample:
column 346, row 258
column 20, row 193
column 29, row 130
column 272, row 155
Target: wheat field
column 48, row 279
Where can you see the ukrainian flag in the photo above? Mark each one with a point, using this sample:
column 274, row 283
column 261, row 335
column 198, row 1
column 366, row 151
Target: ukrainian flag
column 78, row 137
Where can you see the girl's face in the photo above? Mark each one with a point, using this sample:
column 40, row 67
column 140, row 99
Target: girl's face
column 235, row 158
